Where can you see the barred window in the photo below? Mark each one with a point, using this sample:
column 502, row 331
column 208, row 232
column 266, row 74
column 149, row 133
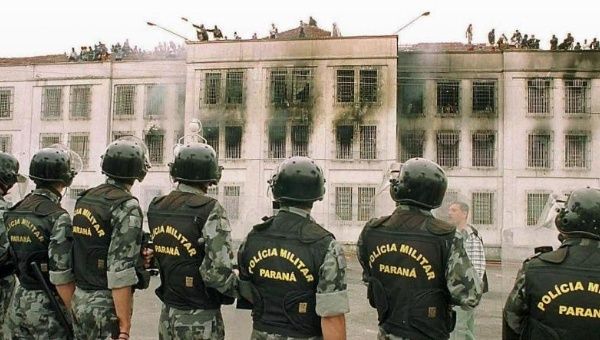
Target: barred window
column 411, row 144
column 124, row 100
column 539, row 148
column 448, row 148
column 74, row 192
column 212, row 89
column 576, row 96
column 80, row 101
column 231, row 201
column 576, row 150
column 366, row 203
column 6, row 143
column 233, row 142
column 279, row 87
column 155, row 142
column 234, row 87
column 368, row 86
column 301, row 79
column 343, row 203
column 49, row 139
column 345, row 86
column 155, row 100
column 344, row 141
column 51, row 102
column 483, row 208
column 411, row 98
column 211, row 134
column 484, row 149
column 300, row 137
column 484, row 97
column 448, row 93
column 368, row 142
column 536, row 201
column 80, row 143
column 538, row 96
column 118, row 134
column 277, row 138
column 181, row 100
column 6, row 102
column 213, row 192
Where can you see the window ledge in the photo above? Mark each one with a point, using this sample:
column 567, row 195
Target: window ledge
column 123, row 117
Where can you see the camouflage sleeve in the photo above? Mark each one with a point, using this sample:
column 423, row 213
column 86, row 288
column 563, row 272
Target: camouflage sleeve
column 463, row 282
column 217, row 267
column 516, row 309
column 125, row 245
column 60, row 251
column 362, row 256
column 332, row 295
column 4, row 244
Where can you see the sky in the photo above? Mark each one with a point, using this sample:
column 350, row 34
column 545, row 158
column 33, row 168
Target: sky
column 41, row 27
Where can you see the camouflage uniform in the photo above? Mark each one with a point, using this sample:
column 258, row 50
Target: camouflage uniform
column 216, row 271
column 30, row 314
column 332, row 295
column 94, row 311
column 7, row 284
column 463, row 283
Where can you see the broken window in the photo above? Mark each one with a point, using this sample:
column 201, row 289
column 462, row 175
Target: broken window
column 233, row 142
column 155, row 100
column 576, row 96
column 80, row 101
column 299, row 136
column 538, row 96
column 343, row 203
column 279, row 87
column 80, row 143
column 301, row 79
column 484, row 97
column 448, row 97
column 124, row 100
column 51, row 102
column 211, row 134
column 345, row 86
column 538, row 155
column 155, row 142
column 49, row 139
column 448, row 148
column 411, row 98
column 368, row 142
column 212, row 88
column 277, row 138
column 6, row 143
column 576, row 150
column 368, row 86
column 119, row 134
column 6, row 102
column 231, row 201
column 483, row 208
column 234, row 87
column 536, row 201
column 366, row 203
column 181, row 100
column 411, row 144
column 344, row 141
column 484, row 149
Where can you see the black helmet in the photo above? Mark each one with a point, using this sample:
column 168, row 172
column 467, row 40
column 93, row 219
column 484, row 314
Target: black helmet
column 126, row 158
column 421, row 182
column 581, row 214
column 9, row 171
column 298, row 179
column 195, row 162
column 55, row 164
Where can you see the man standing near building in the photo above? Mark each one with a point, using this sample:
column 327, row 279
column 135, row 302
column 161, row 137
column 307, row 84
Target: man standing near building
column 414, row 265
column 556, row 293
column 469, row 34
column 458, row 212
column 107, row 239
column 39, row 231
column 196, row 274
column 292, row 271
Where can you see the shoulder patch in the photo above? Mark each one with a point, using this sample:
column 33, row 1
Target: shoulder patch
column 556, row 257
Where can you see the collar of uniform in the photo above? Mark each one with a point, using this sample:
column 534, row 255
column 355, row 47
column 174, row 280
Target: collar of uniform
column 50, row 194
column 413, row 208
column 189, row 189
column 581, row 241
column 117, row 184
column 296, row 211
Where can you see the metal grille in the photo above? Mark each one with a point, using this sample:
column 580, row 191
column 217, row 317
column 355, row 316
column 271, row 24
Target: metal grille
column 300, row 135
column 6, row 144
column 277, row 137
column 448, row 97
column 6, row 102
column 576, row 151
column 234, row 87
column 80, row 101
column 343, row 203
column 344, row 141
column 232, row 202
column 483, row 208
column 279, row 87
column 301, row 79
column 212, row 88
column 366, row 203
column 233, row 142
column 484, row 97
column 448, row 148
column 80, row 143
column 411, row 98
column 124, row 100
column 118, row 134
column 74, row 192
column 535, row 205
column 368, row 142
column 538, row 155
column 368, row 86
column 538, row 96
column 155, row 143
column 411, row 144
column 213, row 191
column 51, row 102
column 155, row 100
column 345, row 86
column 48, row 139
column 484, row 149
column 181, row 100
column 211, row 134
column 576, row 96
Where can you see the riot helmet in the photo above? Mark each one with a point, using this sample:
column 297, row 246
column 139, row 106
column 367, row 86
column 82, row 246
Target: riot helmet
column 126, row 158
column 298, row 179
column 420, row 182
column 55, row 164
column 9, row 171
column 581, row 214
column 195, row 162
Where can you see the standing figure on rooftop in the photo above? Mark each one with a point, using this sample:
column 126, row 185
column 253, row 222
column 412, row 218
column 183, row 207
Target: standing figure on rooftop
column 492, row 37
column 201, row 32
column 312, row 21
column 469, row 34
column 273, row 32
column 335, row 32
column 516, row 38
column 553, row 43
column 73, row 56
column 217, row 34
column 236, row 36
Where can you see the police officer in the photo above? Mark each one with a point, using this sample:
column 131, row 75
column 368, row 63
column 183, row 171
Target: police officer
column 192, row 242
column 414, row 265
column 292, row 270
column 9, row 175
column 556, row 294
column 39, row 231
column 107, row 239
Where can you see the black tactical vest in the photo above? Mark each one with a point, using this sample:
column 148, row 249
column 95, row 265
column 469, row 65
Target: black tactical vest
column 176, row 222
column 283, row 257
column 29, row 228
column 92, row 232
column 407, row 254
column 563, row 287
